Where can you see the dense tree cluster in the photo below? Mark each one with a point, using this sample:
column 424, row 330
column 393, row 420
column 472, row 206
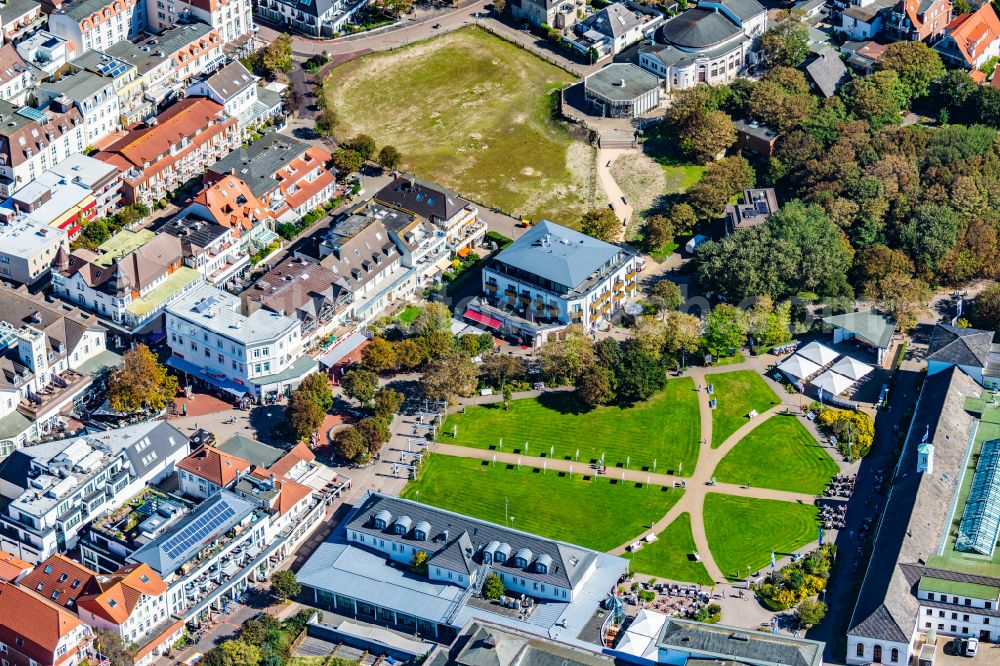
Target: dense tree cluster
column 872, row 207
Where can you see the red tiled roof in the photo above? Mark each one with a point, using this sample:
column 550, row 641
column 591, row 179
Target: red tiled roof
column 299, row 453
column 60, row 576
column 120, row 593
column 232, row 204
column 214, row 465
column 291, row 494
column 35, row 623
column 11, row 567
column 973, row 33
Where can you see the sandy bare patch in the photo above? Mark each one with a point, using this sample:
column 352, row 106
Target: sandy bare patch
column 643, row 182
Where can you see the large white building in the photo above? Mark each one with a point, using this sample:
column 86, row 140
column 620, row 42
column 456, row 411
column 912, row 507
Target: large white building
column 93, row 95
column 213, row 341
column 712, row 43
column 27, row 249
column 552, row 277
column 58, row 487
column 95, row 25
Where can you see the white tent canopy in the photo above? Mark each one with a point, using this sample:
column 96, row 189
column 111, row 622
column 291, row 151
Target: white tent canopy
column 833, row 383
column 798, row 367
column 634, row 644
column 851, row 368
column 817, row 353
column 647, row 623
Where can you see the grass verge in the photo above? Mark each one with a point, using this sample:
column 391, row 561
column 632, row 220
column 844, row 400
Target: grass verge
column 670, row 556
column 737, row 393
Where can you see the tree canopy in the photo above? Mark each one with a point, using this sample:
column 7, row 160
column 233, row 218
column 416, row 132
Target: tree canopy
column 140, row 383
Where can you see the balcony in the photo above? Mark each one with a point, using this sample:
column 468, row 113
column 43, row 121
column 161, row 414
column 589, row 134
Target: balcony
column 576, row 315
column 631, row 274
column 490, row 288
column 595, row 316
column 61, row 388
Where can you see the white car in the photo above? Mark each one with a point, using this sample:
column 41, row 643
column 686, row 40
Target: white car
column 971, row 647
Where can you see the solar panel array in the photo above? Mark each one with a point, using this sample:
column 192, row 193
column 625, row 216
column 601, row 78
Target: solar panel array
column 199, row 528
column 980, row 524
column 114, row 69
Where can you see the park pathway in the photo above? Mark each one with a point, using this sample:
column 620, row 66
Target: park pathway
column 697, row 486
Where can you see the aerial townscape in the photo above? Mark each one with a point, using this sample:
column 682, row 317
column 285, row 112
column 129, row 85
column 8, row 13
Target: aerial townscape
column 499, row 332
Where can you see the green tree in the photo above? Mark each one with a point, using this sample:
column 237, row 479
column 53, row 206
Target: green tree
column 769, row 324
column 786, row 44
column 877, row 98
column 238, row 653
column 601, row 223
column 657, row 232
column 493, row 587
column 379, row 355
column 389, row 157
column 284, row 585
column 985, row 311
column 638, row 375
column 347, row 161
column 723, row 179
column 140, row 383
column 277, row 56
column 725, row 328
column 702, row 130
column 387, row 401
column 393, row 8
column 449, row 377
column 410, row 354
column 753, row 262
column 97, row 232
column 916, row 64
column 499, row 7
column 563, row 360
column 327, row 122
column 433, row 317
column 666, row 295
column 681, row 336
column 498, row 368
column 360, row 385
column 305, row 416
column 375, row 432
column 929, row 235
column 363, row 145
column 112, row 647
column 253, row 632
column 683, row 217
column 594, row 386
column 350, row 445
column 437, row 343
column 815, row 241
column 810, row 612
column 317, row 387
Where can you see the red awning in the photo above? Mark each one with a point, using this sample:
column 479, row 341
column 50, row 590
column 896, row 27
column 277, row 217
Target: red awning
column 480, row 318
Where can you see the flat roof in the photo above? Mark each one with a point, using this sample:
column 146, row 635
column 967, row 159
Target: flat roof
column 870, row 325
column 25, row 237
column 219, row 311
column 155, row 299
column 123, row 243
column 621, row 81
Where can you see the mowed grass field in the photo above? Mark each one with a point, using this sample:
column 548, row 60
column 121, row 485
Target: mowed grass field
column 666, row 428
column 474, row 113
column 737, row 393
column 596, row 513
column 670, row 555
column 742, row 531
column 780, row 454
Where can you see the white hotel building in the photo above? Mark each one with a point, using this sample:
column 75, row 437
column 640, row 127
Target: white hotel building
column 260, row 354
column 551, row 277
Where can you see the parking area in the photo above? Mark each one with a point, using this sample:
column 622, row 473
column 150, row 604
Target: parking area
column 987, row 653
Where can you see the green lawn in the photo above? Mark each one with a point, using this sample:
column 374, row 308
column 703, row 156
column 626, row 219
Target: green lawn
column 742, row 531
column 737, row 393
column 680, row 176
column 473, row 112
column 408, row 315
column 670, row 556
column 721, row 361
column 597, row 513
column 665, row 428
column 781, row 454
column 664, row 252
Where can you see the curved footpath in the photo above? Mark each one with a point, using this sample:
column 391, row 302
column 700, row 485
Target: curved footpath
column 697, row 485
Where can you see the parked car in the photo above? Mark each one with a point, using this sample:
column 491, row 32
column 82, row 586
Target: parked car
column 971, row 647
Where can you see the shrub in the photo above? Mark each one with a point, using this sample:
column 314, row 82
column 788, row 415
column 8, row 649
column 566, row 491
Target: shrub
column 796, row 581
column 854, row 430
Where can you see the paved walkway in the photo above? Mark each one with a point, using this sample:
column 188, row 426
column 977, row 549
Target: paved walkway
column 698, row 485
column 623, row 210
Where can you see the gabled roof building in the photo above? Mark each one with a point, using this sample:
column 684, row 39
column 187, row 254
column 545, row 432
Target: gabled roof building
column 208, row 470
column 970, row 349
column 36, row 632
column 971, row 39
column 551, row 277
column 349, row 572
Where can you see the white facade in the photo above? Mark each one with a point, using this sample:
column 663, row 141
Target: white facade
column 95, row 26
column 27, row 249
column 206, row 328
column 96, row 99
column 232, row 18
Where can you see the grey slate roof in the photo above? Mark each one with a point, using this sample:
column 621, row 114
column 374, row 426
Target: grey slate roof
column 421, row 198
column 258, row 453
column 559, row 254
column 744, row 9
column 828, row 72
column 621, row 81
column 961, row 346
column 872, row 326
column 155, row 554
column 160, row 438
column 914, row 519
column 699, row 28
column 741, row 645
column 613, row 21
column 486, row 644
column 257, row 165
column 570, row 562
column 231, row 80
